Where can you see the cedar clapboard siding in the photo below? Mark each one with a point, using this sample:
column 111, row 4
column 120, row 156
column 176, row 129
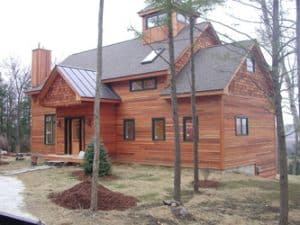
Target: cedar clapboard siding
column 247, row 98
column 85, row 110
column 38, row 113
column 145, row 105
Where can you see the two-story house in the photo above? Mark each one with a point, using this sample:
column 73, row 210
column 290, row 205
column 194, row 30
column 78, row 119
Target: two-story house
column 236, row 122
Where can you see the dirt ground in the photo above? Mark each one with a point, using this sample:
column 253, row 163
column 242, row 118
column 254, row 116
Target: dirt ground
column 239, row 199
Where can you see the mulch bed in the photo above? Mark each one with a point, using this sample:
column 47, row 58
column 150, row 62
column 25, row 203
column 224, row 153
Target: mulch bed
column 79, row 197
column 208, row 184
column 81, row 176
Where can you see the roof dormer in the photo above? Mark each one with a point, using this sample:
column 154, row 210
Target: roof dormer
column 154, row 27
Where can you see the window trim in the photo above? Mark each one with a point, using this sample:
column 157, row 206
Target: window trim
column 164, row 128
column 151, row 16
column 253, row 64
column 184, row 119
column 124, row 128
column 52, row 122
column 143, row 84
column 241, row 117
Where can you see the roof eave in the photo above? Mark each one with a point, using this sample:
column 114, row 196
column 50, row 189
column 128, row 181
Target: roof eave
column 198, row 93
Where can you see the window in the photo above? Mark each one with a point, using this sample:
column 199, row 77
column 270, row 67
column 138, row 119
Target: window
column 158, row 129
column 182, row 18
column 250, row 65
column 241, row 126
column 188, row 132
column 152, row 56
column 143, row 84
column 155, row 20
column 128, row 129
column 49, row 129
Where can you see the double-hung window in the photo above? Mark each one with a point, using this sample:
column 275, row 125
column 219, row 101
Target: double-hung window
column 241, row 126
column 188, row 131
column 128, row 129
column 158, row 129
column 49, row 130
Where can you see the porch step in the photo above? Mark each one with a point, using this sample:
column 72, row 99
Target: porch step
column 56, row 163
column 62, row 158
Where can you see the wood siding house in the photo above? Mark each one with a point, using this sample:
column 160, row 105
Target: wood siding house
column 236, row 121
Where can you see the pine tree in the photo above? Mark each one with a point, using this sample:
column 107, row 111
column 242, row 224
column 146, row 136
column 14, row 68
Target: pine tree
column 105, row 167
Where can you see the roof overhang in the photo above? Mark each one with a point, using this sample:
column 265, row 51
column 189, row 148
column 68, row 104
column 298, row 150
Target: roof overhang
column 137, row 76
column 198, row 93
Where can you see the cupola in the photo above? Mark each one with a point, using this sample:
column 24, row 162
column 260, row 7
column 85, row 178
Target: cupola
column 154, row 27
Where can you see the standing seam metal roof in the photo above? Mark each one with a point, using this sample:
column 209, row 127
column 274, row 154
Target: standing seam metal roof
column 84, row 82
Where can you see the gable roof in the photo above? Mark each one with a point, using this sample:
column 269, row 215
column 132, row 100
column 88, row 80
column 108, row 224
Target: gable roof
column 124, row 59
column 214, row 67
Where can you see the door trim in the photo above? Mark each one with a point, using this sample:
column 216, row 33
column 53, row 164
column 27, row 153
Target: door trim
column 68, row 135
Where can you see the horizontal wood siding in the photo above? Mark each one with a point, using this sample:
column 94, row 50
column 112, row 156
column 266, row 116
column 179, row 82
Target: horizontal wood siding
column 247, row 97
column 37, row 127
column 85, row 110
column 145, row 105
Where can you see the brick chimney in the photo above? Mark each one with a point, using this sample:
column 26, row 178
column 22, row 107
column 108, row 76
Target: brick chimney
column 41, row 65
column 154, row 28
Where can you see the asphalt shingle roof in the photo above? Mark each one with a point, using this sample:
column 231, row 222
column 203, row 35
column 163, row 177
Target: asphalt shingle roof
column 123, row 59
column 214, row 67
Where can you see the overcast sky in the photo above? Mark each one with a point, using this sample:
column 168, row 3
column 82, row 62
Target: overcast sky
column 70, row 26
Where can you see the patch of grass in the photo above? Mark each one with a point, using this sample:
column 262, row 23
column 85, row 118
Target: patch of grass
column 149, row 197
column 262, row 184
column 118, row 185
column 186, row 195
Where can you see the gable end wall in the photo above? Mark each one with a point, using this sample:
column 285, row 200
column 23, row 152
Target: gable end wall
column 247, row 96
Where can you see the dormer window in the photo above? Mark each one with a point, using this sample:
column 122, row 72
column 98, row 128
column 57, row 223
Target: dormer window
column 250, row 63
column 155, row 20
column 152, row 55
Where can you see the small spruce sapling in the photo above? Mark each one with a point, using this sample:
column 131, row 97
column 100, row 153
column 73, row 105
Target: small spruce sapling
column 105, row 166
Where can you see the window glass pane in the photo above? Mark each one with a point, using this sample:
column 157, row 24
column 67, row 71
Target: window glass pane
column 238, row 126
column 159, row 128
column 151, row 21
column 49, row 129
column 149, row 84
column 188, row 126
column 161, row 19
column 129, row 130
column 244, row 126
column 250, row 65
column 137, row 85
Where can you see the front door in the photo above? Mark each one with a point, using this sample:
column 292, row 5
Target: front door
column 73, row 135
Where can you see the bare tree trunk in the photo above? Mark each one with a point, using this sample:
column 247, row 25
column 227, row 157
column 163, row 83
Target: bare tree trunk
column 94, row 193
column 18, row 147
column 293, row 108
column 278, row 108
column 298, row 75
column 177, row 166
column 193, row 107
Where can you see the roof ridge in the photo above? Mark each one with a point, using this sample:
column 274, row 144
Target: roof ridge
column 74, row 67
column 120, row 42
column 232, row 43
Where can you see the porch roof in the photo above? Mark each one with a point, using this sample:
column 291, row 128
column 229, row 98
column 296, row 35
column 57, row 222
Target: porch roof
column 84, row 82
